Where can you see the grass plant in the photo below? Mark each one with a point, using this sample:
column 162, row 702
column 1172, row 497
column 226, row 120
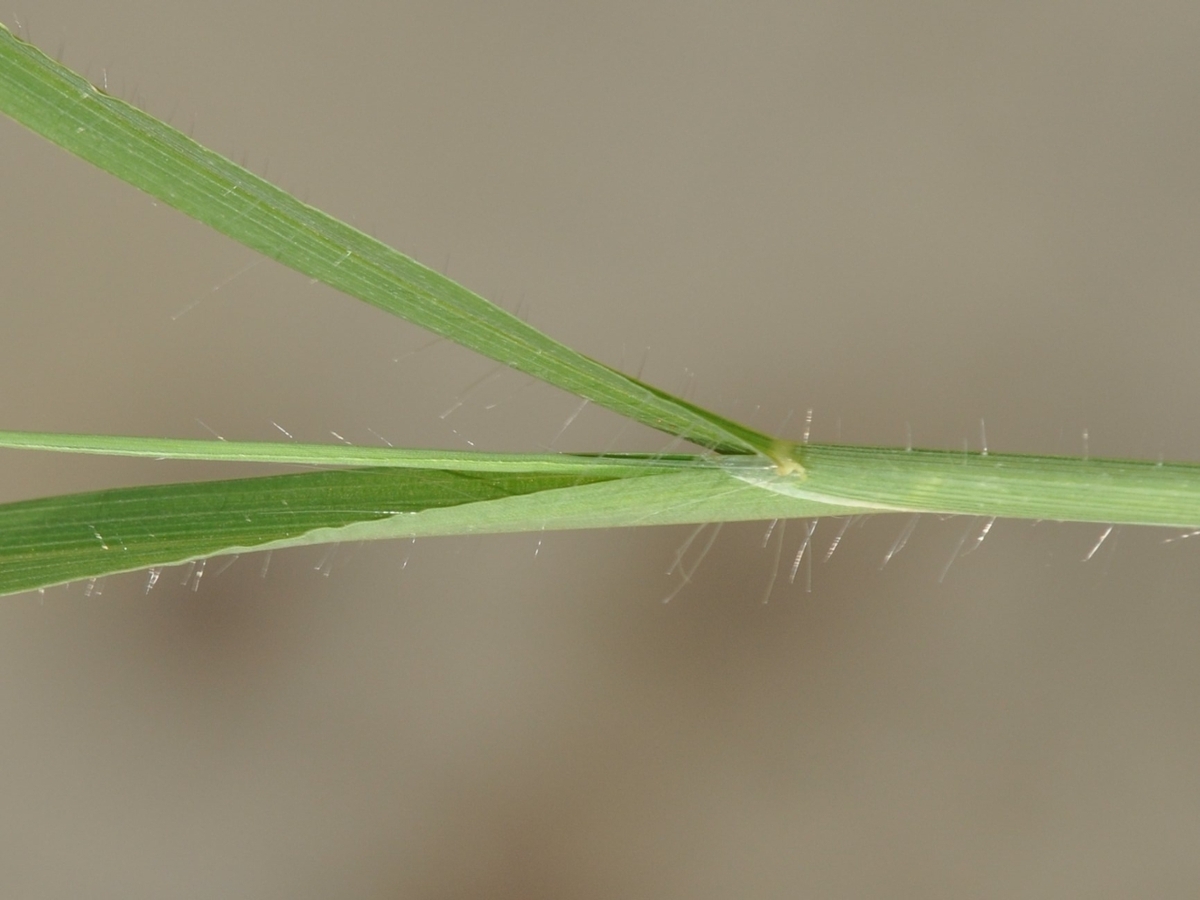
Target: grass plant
column 373, row 493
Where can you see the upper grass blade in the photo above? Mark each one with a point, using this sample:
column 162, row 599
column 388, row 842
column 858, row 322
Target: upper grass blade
column 64, row 107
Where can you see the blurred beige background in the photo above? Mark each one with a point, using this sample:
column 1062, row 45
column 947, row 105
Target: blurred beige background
column 904, row 216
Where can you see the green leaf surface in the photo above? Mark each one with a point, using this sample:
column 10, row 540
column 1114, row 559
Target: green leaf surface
column 410, row 493
column 64, row 107
column 600, row 465
column 60, row 539
column 873, row 479
column 49, row 541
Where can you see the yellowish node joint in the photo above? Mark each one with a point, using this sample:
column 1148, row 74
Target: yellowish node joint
column 782, row 453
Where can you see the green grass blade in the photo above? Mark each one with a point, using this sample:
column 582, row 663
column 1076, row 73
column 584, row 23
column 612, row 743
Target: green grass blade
column 48, row 541
column 64, row 107
column 59, row 539
column 874, row 479
column 424, row 492
column 592, row 465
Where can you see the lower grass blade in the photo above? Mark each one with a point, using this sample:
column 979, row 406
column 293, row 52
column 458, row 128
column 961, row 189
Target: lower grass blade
column 60, row 539
column 57, row 539
column 873, row 479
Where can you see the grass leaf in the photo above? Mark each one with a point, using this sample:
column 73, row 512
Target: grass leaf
column 59, row 539
column 64, row 107
column 410, row 493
